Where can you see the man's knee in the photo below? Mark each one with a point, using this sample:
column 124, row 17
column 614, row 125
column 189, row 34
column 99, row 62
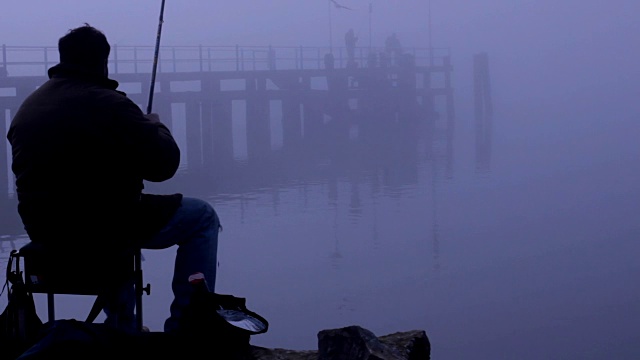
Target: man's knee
column 205, row 210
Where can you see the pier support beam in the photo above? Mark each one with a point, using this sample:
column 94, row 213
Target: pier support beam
column 4, row 165
column 162, row 104
column 291, row 122
column 193, row 128
column 222, row 134
column 313, row 122
column 408, row 94
column 210, row 89
column 448, row 88
column 258, row 119
column 483, row 111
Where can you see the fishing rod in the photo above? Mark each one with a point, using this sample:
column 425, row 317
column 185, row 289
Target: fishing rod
column 155, row 59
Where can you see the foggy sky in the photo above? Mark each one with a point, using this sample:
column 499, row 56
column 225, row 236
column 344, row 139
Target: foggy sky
column 542, row 52
column 577, row 60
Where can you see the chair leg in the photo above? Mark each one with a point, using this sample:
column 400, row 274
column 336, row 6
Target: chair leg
column 138, row 287
column 51, row 311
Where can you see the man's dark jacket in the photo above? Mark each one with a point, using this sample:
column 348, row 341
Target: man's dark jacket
column 81, row 150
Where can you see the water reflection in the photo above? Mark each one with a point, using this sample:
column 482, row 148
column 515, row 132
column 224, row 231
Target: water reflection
column 337, row 224
column 483, row 144
column 541, row 249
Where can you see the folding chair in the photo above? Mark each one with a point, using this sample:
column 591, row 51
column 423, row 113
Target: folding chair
column 74, row 272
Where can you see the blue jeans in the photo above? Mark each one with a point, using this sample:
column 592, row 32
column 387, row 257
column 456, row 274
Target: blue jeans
column 194, row 228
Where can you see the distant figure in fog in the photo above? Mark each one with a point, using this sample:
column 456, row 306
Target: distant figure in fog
column 329, row 61
column 350, row 40
column 271, row 58
column 81, row 151
column 393, row 48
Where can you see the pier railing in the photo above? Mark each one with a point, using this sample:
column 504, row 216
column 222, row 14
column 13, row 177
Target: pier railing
column 35, row 60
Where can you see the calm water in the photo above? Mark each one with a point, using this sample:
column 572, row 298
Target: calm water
column 534, row 256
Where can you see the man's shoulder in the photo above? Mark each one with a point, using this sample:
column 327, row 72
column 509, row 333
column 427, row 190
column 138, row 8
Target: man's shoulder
column 110, row 97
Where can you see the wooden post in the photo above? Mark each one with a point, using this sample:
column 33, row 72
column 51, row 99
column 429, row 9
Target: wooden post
column 407, row 88
column 194, row 130
column 483, row 110
column 237, row 58
column 208, row 93
column 4, row 58
column 4, row 164
column 22, row 91
column 163, row 104
column 115, row 59
column 301, row 57
column 223, row 132
column 338, row 92
column 46, row 59
column 173, row 58
column 428, row 103
column 258, row 119
column 481, row 85
column 312, row 115
column 135, row 59
column 449, row 89
column 291, row 114
column 450, row 129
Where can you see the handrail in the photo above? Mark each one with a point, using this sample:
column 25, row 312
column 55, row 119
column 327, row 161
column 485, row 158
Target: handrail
column 35, row 60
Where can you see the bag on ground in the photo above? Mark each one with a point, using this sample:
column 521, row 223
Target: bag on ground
column 19, row 322
column 222, row 322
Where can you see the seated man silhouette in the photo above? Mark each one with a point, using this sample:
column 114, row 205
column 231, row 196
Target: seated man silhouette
column 81, row 151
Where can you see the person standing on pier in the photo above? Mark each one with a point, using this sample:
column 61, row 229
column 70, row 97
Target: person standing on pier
column 81, row 152
column 393, row 48
column 350, row 40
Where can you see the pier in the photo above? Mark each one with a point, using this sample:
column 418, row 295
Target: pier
column 290, row 99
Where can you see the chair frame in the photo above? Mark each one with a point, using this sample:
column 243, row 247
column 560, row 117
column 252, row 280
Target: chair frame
column 138, row 286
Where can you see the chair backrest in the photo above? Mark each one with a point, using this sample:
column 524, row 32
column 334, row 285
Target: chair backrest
column 74, row 271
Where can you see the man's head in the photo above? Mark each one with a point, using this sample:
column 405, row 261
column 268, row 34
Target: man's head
column 85, row 46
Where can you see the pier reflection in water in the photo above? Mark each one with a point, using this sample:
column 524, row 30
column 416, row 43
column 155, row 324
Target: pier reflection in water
column 392, row 234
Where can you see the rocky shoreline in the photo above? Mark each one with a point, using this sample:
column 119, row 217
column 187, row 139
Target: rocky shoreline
column 355, row 343
column 77, row 340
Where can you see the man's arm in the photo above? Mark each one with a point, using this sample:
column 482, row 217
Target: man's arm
column 162, row 153
column 154, row 148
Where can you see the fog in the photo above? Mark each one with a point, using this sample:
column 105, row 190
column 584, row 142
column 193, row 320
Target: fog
column 564, row 51
column 536, row 256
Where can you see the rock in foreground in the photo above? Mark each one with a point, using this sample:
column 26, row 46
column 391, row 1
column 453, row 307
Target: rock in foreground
column 77, row 340
column 355, row 343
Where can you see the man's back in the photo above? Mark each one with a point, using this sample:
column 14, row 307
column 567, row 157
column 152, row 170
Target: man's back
column 80, row 153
